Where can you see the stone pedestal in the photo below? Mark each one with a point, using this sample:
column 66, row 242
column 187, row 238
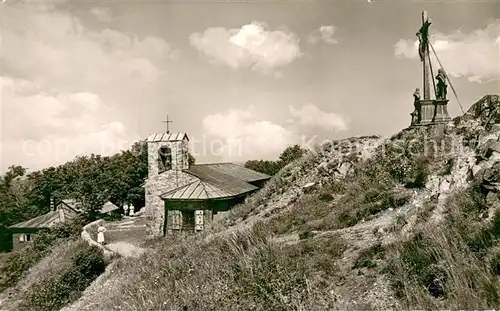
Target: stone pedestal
column 433, row 111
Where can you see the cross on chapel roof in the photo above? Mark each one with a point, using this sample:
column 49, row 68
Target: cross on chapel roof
column 167, row 122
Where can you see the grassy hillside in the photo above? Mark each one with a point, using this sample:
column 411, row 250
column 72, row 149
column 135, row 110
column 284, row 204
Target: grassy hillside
column 365, row 223
column 407, row 222
column 51, row 272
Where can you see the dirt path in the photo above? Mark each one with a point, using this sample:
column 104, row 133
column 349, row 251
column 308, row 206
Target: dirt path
column 125, row 249
column 130, row 230
column 125, row 237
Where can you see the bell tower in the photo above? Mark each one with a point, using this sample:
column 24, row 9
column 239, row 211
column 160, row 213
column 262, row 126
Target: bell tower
column 166, row 152
column 168, row 157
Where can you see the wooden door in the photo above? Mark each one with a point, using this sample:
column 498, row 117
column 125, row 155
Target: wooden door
column 176, row 218
column 198, row 216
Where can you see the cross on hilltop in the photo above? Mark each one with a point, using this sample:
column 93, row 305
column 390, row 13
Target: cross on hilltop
column 167, row 122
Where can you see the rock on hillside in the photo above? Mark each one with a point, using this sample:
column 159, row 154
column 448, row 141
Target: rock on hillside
column 333, row 160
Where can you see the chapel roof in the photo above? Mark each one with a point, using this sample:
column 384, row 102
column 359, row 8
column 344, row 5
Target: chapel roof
column 157, row 137
column 231, row 169
column 216, row 181
column 197, row 190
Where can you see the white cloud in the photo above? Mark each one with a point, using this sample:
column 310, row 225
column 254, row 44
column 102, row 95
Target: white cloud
column 311, row 115
column 324, row 34
column 40, row 129
column 241, row 135
column 473, row 54
column 91, row 102
column 66, row 87
column 53, row 46
column 102, row 14
column 251, row 46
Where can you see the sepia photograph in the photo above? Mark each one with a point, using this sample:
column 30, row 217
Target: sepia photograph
column 249, row 155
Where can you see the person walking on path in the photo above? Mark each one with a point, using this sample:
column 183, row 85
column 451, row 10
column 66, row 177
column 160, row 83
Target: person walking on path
column 100, row 235
column 125, row 209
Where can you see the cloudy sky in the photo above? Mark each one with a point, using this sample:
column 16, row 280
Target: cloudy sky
column 243, row 79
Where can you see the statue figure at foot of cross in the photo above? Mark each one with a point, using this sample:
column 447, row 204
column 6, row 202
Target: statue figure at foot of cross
column 417, row 113
column 441, row 86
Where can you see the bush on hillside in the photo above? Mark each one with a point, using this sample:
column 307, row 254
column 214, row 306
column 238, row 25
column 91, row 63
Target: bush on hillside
column 66, row 284
column 495, row 264
column 374, row 201
column 418, row 172
column 448, row 167
column 325, row 196
column 271, row 168
column 367, row 257
column 421, row 272
column 302, row 213
column 370, row 190
column 264, row 166
column 334, row 187
column 447, row 263
column 19, row 262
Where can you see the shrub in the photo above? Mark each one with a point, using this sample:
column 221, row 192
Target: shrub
column 115, row 216
column 367, row 256
column 20, row 262
column 426, row 211
column 495, row 264
column 16, row 265
column 448, row 167
column 62, row 287
column 373, row 201
column 447, row 262
column 305, row 235
column 306, row 209
column 327, row 197
column 418, row 173
column 89, row 261
column 335, row 187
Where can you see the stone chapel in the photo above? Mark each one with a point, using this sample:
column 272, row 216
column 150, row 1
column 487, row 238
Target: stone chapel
column 184, row 198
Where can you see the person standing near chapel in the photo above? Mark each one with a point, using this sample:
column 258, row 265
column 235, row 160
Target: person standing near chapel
column 125, row 209
column 132, row 208
column 100, row 235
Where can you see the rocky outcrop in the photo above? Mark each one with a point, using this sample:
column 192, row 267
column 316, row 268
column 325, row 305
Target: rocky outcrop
column 332, row 161
column 489, row 178
column 336, row 159
column 486, row 111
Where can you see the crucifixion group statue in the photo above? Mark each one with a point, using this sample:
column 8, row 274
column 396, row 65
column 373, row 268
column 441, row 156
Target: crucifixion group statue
column 427, row 110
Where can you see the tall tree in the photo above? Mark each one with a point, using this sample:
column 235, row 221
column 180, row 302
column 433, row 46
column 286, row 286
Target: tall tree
column 291, row 154
column 288, row 155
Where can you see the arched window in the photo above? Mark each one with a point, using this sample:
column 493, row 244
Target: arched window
column 164, row 159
